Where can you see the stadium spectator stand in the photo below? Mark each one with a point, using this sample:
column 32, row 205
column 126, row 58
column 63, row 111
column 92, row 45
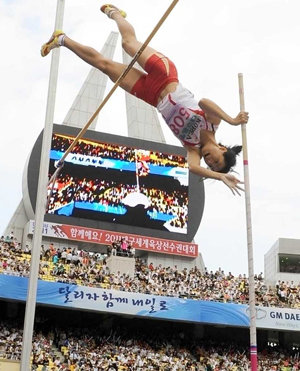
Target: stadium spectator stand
column 125, row 344
column 87, row 268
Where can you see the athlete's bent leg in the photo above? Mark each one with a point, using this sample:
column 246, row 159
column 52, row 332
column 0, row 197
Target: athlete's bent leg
column 129, row 41
column 111, row 68
column 161, row 77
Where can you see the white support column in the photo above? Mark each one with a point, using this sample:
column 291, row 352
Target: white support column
column 252, row 309
column 41, row 201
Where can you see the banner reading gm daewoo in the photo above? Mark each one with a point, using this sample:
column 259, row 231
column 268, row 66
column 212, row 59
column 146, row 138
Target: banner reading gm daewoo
column 154, row 306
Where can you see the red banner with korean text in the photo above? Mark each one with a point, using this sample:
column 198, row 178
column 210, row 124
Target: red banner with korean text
column 104, row 237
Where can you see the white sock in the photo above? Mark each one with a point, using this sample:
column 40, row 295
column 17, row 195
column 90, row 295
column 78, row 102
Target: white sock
column 61, row 39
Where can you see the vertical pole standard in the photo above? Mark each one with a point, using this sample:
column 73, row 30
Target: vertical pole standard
column 41, row 201
column 253, row 343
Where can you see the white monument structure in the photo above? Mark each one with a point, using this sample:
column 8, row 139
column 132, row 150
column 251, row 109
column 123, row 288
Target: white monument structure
column 142, row 123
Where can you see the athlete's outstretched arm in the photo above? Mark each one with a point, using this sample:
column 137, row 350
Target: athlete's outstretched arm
column 193, row 159
column 215, row 112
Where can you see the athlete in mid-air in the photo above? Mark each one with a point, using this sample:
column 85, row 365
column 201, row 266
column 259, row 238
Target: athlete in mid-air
column 193, row 123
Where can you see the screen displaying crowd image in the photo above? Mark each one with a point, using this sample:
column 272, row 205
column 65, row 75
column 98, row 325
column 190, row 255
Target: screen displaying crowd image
column 120, row 184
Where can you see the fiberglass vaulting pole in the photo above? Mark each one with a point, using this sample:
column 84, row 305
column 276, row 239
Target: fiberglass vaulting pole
column 252, row 309
column 41, row 201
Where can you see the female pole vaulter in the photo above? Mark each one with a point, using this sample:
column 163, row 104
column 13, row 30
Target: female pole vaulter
column 193, row 123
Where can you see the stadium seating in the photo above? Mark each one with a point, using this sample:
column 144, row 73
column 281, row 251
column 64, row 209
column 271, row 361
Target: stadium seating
column 132, row 353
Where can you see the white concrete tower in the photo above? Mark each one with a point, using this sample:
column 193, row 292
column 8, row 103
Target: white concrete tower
column 92, row 91
column 85, row 104
column 142, row 123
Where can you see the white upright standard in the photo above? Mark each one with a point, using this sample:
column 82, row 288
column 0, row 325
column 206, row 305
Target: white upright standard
column 41, row 201
column 252, row 309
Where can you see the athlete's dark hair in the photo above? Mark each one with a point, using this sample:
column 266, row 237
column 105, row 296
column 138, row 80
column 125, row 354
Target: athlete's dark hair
column 230, row 157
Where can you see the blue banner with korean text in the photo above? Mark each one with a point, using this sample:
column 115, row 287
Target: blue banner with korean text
column 153, row 306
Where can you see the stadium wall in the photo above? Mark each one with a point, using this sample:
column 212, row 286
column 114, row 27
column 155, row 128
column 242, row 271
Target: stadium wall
column 8, row 365
column 149, row 306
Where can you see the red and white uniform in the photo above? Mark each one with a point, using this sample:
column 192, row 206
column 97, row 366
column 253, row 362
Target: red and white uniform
column 181, row 112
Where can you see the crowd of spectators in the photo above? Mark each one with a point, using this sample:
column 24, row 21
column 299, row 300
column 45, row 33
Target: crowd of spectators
column 81, row 267
column 74, row 349
column 43, row 351
column 123, row 153
column 110, row 195
column 114, row 349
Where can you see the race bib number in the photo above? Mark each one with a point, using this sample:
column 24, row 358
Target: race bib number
column 185, row 124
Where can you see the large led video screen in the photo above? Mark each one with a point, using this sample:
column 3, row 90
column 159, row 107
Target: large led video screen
column 121, row 184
